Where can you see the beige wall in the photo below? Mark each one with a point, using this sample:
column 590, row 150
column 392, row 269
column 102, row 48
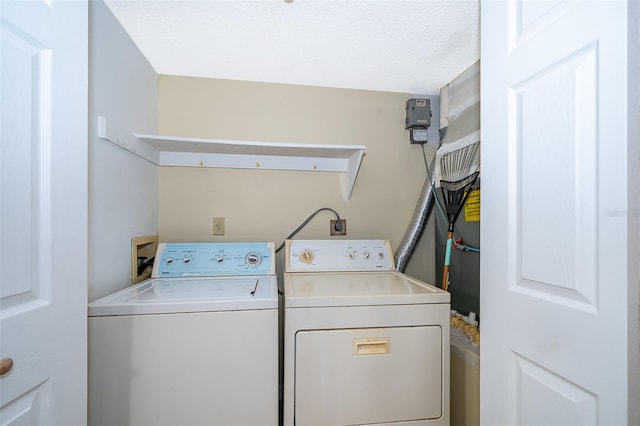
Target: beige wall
column 268, row 205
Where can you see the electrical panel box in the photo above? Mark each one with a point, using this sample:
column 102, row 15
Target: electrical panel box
column 418, row 113
column 418, row 119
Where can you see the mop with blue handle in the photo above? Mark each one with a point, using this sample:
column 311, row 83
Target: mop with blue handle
column 459, row 172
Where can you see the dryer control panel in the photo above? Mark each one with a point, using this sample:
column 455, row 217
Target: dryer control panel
column 338, row 255
column 213, row 259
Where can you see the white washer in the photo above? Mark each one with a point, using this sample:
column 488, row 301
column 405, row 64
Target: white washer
column 363, row 344
column 194, row 345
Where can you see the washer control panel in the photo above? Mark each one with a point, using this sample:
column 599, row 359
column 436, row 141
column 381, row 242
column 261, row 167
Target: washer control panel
column 338, row 255
column 213, row 259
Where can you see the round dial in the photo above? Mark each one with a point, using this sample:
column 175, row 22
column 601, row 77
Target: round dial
column 253, row 259
column 306, row 256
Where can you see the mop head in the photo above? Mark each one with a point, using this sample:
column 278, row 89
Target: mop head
column 457, row 160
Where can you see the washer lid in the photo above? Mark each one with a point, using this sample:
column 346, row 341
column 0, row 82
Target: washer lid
column 358, row 289
column 174, row 295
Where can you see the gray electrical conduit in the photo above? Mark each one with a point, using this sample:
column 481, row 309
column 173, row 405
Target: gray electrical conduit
column 423, row 210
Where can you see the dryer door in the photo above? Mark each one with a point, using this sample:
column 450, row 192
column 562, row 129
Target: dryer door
column 366, row 376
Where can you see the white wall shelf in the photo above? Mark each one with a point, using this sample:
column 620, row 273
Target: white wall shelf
column 197, row 152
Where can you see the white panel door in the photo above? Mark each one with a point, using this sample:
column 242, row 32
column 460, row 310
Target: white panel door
column 554, row 264
column 43, row 212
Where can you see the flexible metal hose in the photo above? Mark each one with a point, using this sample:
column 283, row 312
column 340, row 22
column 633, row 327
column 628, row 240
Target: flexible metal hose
column 423, row 210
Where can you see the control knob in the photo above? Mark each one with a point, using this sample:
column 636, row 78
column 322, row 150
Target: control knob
column 253, row 259
column 306, row 256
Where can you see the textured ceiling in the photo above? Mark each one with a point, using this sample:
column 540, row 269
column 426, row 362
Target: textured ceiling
column 412, row 46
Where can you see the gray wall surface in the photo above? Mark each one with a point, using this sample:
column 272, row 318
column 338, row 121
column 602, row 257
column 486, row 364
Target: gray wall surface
column 123, row 188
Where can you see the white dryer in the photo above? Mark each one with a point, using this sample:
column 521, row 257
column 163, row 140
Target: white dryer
column 363, row 344
column 194, row 345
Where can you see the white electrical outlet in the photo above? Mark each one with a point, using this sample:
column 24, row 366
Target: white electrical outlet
column 218, row 226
